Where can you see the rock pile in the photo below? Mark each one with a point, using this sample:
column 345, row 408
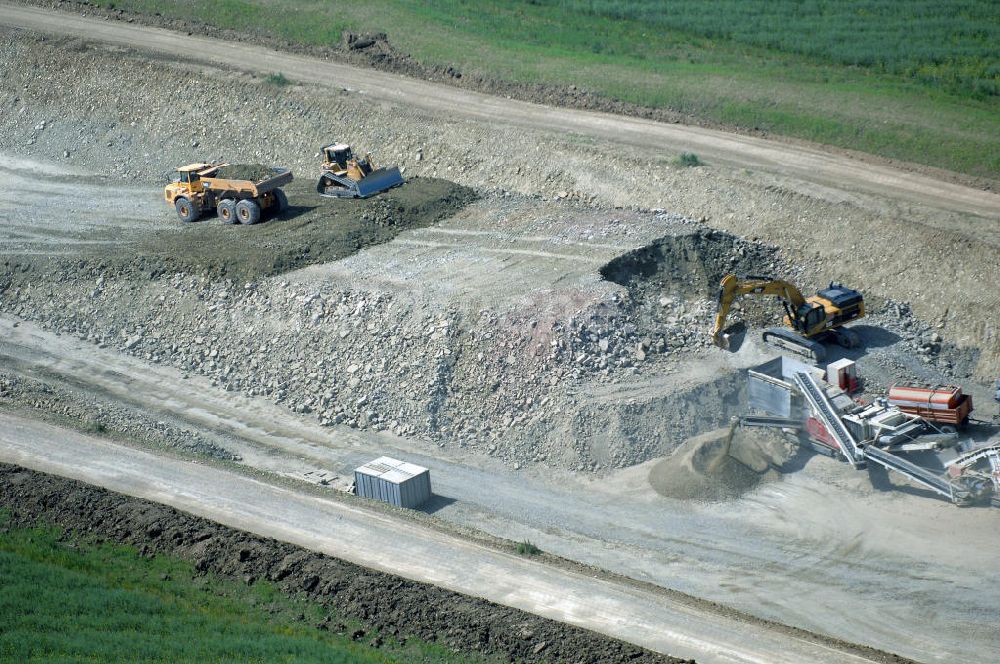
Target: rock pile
column 368, row 359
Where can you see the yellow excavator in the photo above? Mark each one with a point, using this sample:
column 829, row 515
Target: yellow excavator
column 810, row 320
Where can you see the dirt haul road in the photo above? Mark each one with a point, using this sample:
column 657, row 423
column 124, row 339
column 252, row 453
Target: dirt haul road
column 394, row 545
column 807, row 551
column 830, row 176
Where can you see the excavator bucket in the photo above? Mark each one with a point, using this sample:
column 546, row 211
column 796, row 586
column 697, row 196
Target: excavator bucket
column 731, row 337
column 379, row 180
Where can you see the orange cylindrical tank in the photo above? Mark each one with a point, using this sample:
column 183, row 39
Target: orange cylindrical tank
column 941, row 397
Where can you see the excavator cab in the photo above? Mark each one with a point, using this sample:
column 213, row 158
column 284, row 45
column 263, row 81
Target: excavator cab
column 808, row 317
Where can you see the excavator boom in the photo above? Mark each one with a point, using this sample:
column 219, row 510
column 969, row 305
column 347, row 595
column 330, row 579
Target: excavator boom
column 733, row 287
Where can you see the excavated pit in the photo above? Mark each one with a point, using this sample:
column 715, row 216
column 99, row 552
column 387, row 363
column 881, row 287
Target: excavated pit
column 688, row 268
column 690, row 265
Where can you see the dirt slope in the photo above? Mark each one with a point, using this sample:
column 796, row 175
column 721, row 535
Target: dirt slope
column 841, row 216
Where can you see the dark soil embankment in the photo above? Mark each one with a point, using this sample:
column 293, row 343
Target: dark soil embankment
column 312, row 230
column 390, row 604
column 690, row 266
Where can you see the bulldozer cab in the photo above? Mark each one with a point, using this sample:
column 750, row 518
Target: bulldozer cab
column 338, row 154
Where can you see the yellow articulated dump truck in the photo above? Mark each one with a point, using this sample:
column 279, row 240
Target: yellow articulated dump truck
column 238, row 193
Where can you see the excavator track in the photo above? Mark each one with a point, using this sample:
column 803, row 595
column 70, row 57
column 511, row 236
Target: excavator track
column 846, row 337
column 789, row 340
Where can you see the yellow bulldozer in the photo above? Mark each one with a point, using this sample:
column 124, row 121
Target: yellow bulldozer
column 343, row 175
column 809, row 321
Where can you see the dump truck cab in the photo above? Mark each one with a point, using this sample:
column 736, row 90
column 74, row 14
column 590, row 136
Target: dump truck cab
column 339, row 159
column 188, row 183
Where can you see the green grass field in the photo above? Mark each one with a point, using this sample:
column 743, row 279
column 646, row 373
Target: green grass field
column 74, row 601
column 944, row 44
column 917, row 81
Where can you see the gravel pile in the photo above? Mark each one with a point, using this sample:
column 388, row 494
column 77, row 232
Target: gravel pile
column 251, row 172
column 720, row 465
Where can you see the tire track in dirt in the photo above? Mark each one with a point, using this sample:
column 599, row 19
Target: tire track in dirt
column 799, row 162
column 393, row 545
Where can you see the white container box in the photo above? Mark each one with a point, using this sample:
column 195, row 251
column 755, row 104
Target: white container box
column 393, row 481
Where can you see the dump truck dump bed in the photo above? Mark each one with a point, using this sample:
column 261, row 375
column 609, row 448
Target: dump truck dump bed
column 279, row 177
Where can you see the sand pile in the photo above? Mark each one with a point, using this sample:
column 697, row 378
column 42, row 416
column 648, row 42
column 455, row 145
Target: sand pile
column 710, row 468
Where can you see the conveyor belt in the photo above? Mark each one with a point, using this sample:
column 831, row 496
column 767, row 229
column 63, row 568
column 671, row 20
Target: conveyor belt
column 973, row 456
column 932, row 481
column 828, row 416
column 768, row 421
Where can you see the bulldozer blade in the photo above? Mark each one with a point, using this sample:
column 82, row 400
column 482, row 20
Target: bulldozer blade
column 731, row 337
column 379, row 180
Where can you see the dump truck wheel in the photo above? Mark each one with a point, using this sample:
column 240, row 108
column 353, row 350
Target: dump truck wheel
column 227, row 211
column 280, row 200
column 186, row 210
column 248, row 212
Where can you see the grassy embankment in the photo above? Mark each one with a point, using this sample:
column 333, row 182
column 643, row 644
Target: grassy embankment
column 918, row 83
column 70, row 600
